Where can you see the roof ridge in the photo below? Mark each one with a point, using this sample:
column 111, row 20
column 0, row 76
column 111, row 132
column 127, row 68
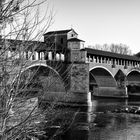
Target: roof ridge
column 60, row 31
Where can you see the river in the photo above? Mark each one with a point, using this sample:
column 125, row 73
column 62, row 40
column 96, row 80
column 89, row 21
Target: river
column 99, row 123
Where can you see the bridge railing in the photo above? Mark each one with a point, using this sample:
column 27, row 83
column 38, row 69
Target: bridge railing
column 36, row 56
column 113, row 62
column 46, row 56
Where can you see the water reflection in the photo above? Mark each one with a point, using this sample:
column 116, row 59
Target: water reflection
column 79, row 129
column 98, row 123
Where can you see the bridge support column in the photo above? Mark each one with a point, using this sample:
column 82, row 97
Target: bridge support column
column 79, row 83
column 79, row 74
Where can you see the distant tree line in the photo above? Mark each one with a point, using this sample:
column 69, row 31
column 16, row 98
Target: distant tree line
column 115, row 48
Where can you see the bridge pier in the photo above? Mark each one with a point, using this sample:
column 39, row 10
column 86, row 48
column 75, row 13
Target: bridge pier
column 75, row 76
column 79, row 84
column 79, row 73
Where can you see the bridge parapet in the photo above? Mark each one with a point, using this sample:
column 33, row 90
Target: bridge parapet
column 124, row 62
column 113, row 68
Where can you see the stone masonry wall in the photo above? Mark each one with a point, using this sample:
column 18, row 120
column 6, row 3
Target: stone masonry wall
column 80, row 78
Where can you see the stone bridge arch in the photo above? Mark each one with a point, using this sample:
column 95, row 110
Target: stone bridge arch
column 133, row 81
column 106, row 84
column 103, row 77
column 133, row 76
column 41, row 78
column 132, row 70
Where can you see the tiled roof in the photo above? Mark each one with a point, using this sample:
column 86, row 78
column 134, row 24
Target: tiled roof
column 59, row 32
column 75, row 39
column 111, row 54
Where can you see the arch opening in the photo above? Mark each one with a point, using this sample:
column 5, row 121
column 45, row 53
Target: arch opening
column 101, row 80
column 39, row 80
column 103, row 77
column 133, row 83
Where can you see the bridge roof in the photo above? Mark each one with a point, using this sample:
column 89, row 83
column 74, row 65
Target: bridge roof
column 111, row 54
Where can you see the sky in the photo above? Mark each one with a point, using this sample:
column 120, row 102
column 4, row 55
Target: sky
column 100, row 21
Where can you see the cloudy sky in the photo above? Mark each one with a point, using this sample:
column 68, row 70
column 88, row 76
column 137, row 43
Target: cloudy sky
column 100, row 21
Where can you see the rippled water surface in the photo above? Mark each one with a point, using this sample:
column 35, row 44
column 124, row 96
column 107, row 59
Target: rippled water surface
column 99, row 123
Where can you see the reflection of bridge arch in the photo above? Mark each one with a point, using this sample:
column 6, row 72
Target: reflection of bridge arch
column 103, row 76
column 43, row 77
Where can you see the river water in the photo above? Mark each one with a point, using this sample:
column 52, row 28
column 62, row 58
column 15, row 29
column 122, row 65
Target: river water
column 99, row 123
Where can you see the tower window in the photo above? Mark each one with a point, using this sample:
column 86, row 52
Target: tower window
column 61, row 40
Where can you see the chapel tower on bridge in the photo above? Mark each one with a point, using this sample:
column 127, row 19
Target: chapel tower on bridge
column 65, row 43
